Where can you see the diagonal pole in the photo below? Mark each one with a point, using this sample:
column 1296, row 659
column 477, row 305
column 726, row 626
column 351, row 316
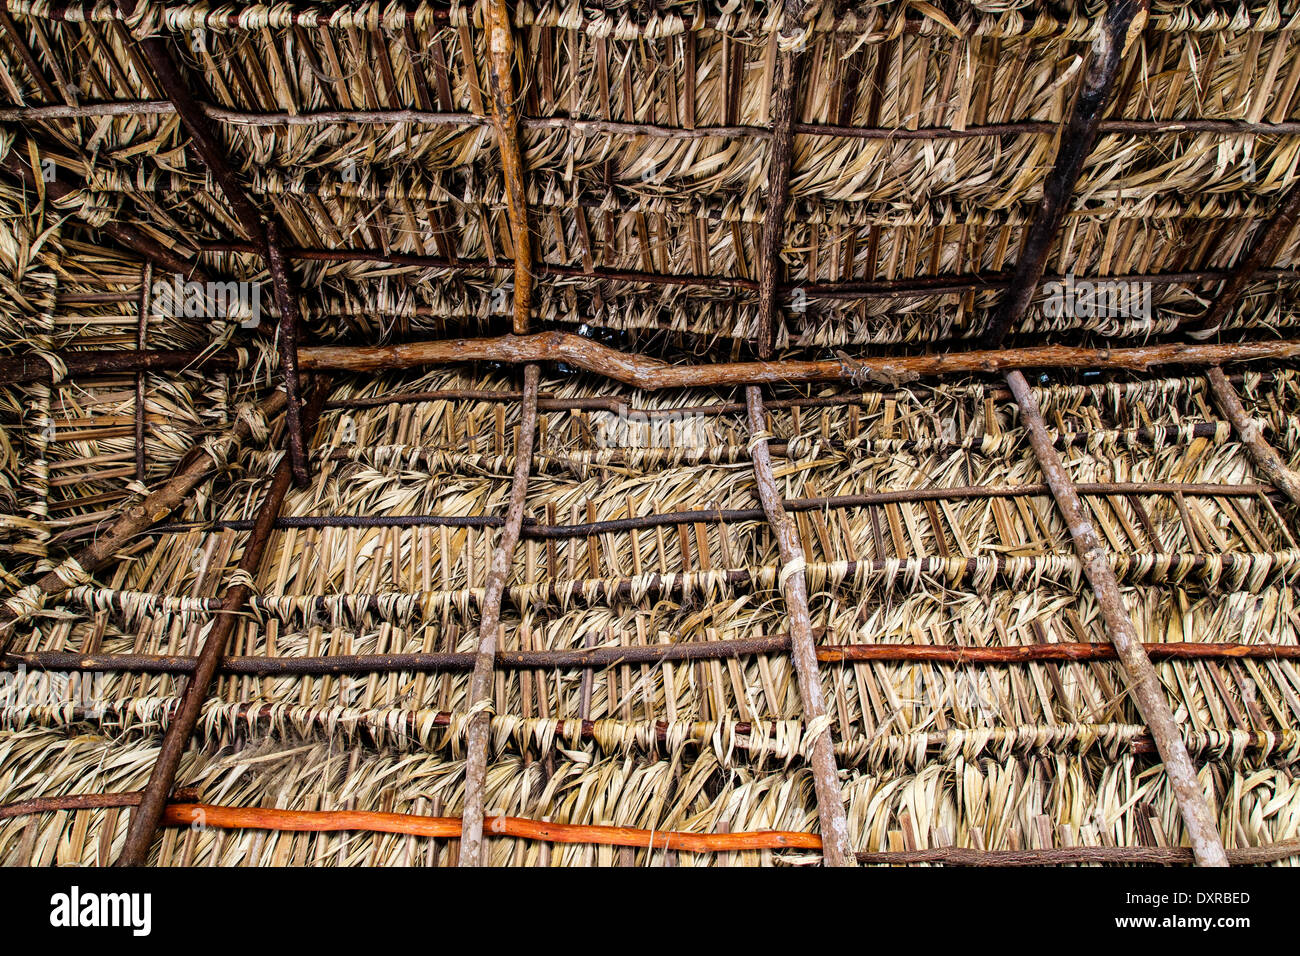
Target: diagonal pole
column 1198, row 814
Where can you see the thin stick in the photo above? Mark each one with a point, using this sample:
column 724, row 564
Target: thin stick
column 1148, row 694
column 144, row 822
column 830, row 800
column 1123, row 22
column 472, row 848
column 135, row 518
column 500, row 66
column 1264, row 455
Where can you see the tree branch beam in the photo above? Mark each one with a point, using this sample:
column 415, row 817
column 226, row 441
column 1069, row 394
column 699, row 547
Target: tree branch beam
column 1148, row 693
column 1122, row 24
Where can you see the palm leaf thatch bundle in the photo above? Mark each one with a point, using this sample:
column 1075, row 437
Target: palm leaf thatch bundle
column 281, row 655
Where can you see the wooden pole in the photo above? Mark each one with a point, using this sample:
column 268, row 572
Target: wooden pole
column 652, row 374
column 1247, row 429
column 1263, row 250
column 472, row 844
column 500, row 66
column 286, row 298
column 1148, row 694
column 141, row 343
column 599, row 658
column 837, row 849
column 195, row 468
column 783, row 99
column 1123, row 23
column 146, row 818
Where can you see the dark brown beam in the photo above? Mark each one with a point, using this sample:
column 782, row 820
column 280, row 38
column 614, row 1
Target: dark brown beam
column 481, row 681
column 1123, row 23
column 145, row 820
column 600, row 658
column 1265, row 248
column 1198, row 814
column 536, row 531
column 421, row 117
column 652, row 374
column 290, row 323
column 263, row 234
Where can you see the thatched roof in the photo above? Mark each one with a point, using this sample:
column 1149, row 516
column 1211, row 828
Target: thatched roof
column 631, row 434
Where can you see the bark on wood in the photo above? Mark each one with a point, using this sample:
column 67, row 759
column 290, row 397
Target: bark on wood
column 1148, row 694
column 146, row 818
column 1124, row 20
column 651, row 374
column 472, row 846
column 599, row 658
column 838, row 850
column 286, row 297
column 500, row 66
column 1247, row 429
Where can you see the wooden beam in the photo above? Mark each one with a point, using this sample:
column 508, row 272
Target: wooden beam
column 784, row 101
column 196, row 467
column 286, row 296
column 1263, row 454
column 1263, row 251
column 263, row 233
column 649, row 373
column 146, row 818
column 1148, row 693
column 127, row 235
column 1122, row 24
column 500, row 66
column 472, row 845
column 837, row 849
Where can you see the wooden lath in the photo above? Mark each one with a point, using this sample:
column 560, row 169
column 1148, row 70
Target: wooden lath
column 148, row 815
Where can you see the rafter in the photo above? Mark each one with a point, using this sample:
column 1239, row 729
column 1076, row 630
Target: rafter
column 1123, row 23
column 145, row 820
column 837, row 848
column 472, row 848
column 1263, row 251
column 1144, row 684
